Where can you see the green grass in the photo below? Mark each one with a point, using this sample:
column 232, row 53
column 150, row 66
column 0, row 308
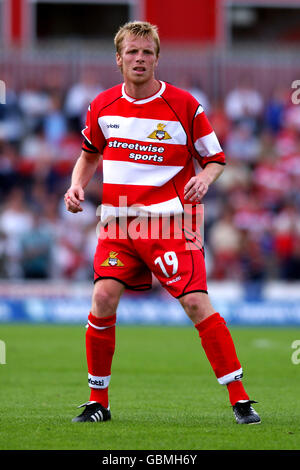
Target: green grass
column 163, row 394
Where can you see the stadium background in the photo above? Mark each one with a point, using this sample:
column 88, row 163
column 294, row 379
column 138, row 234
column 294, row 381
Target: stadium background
column 240, row 59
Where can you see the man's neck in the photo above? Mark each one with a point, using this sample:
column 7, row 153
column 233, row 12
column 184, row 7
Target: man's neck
column 141, row 91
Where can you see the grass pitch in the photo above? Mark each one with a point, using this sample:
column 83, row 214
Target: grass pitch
column 163, row 393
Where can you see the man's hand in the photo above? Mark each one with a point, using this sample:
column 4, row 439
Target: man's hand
column 73, row 197
column 195, row 189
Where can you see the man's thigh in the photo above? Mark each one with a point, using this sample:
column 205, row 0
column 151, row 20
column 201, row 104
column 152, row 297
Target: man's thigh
column 116, row 258
column 178, row 263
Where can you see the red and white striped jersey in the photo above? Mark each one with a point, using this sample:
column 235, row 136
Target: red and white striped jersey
column 150, row 147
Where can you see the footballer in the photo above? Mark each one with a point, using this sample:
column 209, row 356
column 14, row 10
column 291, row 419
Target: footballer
column 159, row 155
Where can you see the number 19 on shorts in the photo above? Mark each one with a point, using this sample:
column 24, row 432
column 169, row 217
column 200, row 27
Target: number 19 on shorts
column 169, row 259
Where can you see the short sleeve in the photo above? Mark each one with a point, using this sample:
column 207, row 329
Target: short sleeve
column 94, row 140
column 205, row 141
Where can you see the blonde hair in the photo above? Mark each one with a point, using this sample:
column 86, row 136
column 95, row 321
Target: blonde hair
column 137, row 28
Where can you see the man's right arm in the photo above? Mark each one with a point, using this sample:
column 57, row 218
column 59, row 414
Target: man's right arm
column 83, row 172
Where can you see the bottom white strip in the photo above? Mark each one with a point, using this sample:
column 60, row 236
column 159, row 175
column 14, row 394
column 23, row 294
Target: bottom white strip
column 98, row 382
column 235, row 375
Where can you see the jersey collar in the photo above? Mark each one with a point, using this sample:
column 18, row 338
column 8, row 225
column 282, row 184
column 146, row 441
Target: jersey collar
column 145, row 100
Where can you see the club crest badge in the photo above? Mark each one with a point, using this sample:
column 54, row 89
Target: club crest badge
column 160, row 133
column 112, row 260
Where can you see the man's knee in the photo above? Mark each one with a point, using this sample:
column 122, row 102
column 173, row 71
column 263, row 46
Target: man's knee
column 106, row 298
column 103, row 301
column 197, row 306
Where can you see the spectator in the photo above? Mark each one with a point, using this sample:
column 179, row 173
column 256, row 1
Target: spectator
column 36, row 149
column 252, row 261
column 275, row 108
column 194, row 87
column 225, row 243
column 236, row 176
column 15, row 217
column 78, row 98
column 36, row 245
column 242, row 144
column 9, row 160
column 244, row 104
column 287, row 240
column 15, row 220
column 220, row 121
column 11, row 120
column 54, row 122
column 35, row 104
column 272, row 183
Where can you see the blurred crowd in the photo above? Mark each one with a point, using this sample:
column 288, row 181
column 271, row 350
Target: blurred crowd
column 252, row 213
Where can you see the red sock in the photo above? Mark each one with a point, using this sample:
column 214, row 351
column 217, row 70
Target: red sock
column 220, row 351
column 236, row 392
column 100, row 348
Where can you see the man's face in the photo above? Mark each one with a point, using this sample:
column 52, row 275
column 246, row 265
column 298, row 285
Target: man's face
column 138, row 59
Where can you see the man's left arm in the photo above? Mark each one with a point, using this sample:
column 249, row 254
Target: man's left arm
column 209, row 154
column 198, row 185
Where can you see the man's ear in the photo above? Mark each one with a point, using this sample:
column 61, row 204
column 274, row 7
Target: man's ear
column 118, row 60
